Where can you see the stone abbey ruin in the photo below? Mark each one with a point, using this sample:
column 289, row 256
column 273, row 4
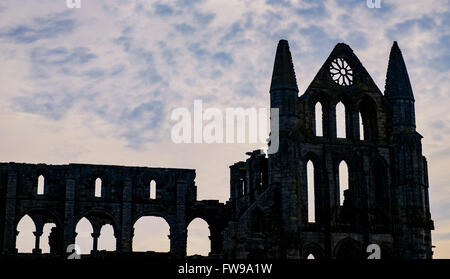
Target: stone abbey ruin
column 386, row 200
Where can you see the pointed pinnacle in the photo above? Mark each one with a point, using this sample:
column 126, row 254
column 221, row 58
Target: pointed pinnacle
column 397, row 85
column 283, row 75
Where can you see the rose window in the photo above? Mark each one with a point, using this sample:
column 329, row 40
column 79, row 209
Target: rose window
column 341, row 72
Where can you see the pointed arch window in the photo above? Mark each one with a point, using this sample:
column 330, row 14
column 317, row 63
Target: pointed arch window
column 368, row 119
column 318, row 119
column 41, row 185
column 98, row 188
column 152, row 189
column 343, row 181
column 311, row 192
column 340, row 121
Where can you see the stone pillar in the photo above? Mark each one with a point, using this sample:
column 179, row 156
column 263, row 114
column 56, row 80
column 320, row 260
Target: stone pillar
column 332, row 176
column 95, row 235
column 69, row 226
column 363, row 199
column 332, row 122
column 9, row 230
column 125, row 238
column 216, row 239
column 330, row 179
column 178, row 230
column 39, row 223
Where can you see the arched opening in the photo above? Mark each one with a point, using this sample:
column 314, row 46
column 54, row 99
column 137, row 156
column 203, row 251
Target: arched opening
column 340, row 120
column 41, row 185
column 83, row 237
column 153, row 189
column 98, row 187
column 107, row 240
column 311, row 192
column 310, row 257
column 318, row 120
column 368, row 116
column 45, row 240
column 151, row 234
column 198, row 242
column 343, row 181
column 25, row 239
column 361, row 127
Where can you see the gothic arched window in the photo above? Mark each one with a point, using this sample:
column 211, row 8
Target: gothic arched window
column 340, row 121
column 343, row 181
column 153, row 189
column 41, row 185
column 318, row 119
column 310, row 191
column 98, row 188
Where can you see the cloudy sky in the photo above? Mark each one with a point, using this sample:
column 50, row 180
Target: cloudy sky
column 98, row 84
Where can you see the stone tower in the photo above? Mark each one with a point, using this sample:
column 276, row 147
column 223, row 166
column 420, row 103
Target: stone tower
column 385, row 199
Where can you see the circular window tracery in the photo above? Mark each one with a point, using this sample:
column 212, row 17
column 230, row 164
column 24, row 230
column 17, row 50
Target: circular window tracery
column 341, row 72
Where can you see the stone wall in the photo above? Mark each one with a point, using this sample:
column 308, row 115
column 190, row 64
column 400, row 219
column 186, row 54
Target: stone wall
column 69, row 195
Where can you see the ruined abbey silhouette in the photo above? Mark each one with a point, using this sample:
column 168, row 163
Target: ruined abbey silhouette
column 385, row 200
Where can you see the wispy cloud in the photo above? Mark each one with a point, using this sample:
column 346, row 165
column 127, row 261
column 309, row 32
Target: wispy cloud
column 46, row 27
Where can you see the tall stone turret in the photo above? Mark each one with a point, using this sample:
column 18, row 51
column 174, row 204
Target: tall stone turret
column 282, row 170
column 411, row 212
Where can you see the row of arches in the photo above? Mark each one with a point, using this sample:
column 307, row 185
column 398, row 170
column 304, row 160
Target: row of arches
column 98, row 190
column 150, row 234
column 365, row 116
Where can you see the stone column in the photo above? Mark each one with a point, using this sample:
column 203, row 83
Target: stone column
column 330, row 179
column 69, row 206
column 216, row 239
column 39, row 223
column 9, row 230
column 125, row 239
column 332, row 122
column 178, row 230
column 95, row 235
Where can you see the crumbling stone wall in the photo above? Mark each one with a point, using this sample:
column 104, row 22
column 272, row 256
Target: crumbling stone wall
column 125, row 197
column 387, row 200
column 386, row 203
